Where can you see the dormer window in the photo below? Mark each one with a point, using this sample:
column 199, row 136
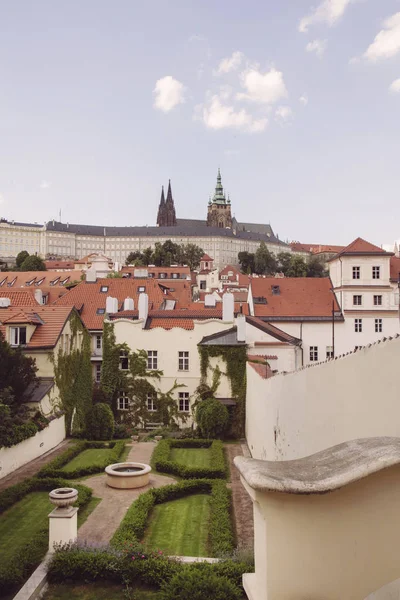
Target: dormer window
column 276, row 290
column 141, row 289
column 104, row 289
column 17, row 336
column 100, row 311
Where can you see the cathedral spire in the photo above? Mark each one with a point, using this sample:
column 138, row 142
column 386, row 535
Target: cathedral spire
column 166, row 211
column 219, row 196
column 161, row 208
column 169, row 193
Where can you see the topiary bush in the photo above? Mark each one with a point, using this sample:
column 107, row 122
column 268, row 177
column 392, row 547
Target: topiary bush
column 212, row 418
column 161, row 462
column 198, row 586
column 100, row 422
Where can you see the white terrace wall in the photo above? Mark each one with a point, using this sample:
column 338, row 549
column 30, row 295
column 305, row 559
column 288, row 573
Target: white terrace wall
column 297, row 414
column 17, row 456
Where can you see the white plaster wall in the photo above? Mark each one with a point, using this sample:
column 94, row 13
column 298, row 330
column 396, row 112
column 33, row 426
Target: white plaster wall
column 346, row 338
column 287, row 355
column 17, row 456
column 298, row 414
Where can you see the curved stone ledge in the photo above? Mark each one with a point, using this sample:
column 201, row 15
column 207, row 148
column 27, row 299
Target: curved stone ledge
column 324, row 471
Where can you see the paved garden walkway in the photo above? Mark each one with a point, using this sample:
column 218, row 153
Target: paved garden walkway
column 106, row 517
column 242, row 503
column 32, row 467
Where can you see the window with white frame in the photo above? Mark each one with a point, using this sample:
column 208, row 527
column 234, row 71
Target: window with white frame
column 99, row 341
column 329, row 352
column 378, row 326
column 151, row 402
column 123, row 401
column 104, row 289
column 356, row 272
column 377, row 300
column 98, row 372
column 152, row 359
column 183, row 361
column 184, row 404
column 357, row 300
column 17, row 336
column 376, row 272
column 123, row 360
column 358, row 325
column 313, row 353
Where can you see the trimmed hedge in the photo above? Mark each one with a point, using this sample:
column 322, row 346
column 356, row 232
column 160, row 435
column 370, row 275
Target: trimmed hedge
column 55, row 467
column 85, row 564
column 221, row 540
column 197, row 586
column 14, row 572
column 161, row 462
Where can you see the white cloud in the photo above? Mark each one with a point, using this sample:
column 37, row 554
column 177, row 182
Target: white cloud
column 217, row 115
column 229, row 64
column 44, row 184
column 169, row 92
column 395, row 86
column 387, row 42
column 303, row 99
column 264, row 88
column 283, row 114
column 317, row 46
column 329, row 12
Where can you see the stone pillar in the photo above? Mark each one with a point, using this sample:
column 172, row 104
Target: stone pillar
column 63, row 520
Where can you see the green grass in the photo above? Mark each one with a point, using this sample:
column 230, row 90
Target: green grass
column 99, row 591
column 191, row 457
column 87, row 458
column 20, row 523
column 180, row 527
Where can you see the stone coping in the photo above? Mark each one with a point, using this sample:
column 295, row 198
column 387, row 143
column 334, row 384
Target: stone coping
column 324, row 471
column 143, row 469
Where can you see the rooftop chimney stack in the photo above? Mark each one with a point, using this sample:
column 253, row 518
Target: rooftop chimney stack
column 228, row 305
column 209, row 300
column 143, row 308
column 241, row 328
column 129, row 304
column 111, row 305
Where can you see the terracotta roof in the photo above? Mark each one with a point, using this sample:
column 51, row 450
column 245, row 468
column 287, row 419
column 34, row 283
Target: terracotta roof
column 90, row 257
column 273, row 331
column 157, row 271
column 315, row 248
column 54, row 265
column 262, row 369
column 179, row 290
column 206, row 258
column 182, row 323
column 228, row 268
column 19, row 297
column 361, row 247
column 49, row 320
column 51, row 283
column 88, row 298
column 294, row 298
column 198, row 312
column 394, row 268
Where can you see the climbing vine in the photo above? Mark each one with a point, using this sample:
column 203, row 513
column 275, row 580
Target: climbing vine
column 73, row 376
column 235, row 358
column 110, row 373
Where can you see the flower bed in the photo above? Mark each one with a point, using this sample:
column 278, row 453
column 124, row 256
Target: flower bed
column 55, row 467
column 162, row 462
column 16, row 568
column 220, row 536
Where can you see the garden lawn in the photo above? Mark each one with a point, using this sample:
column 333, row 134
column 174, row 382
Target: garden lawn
column 180, row 527
column 93, row 591
column 20, row 523
column 191, row 457
column 87, row 458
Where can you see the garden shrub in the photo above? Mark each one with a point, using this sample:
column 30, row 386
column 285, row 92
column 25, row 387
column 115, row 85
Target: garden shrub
column 55, row 467
column 100, row 422
column 13, row 572
column 132, row 528
column 161, row 461
column 212, row 418
column 198, row 586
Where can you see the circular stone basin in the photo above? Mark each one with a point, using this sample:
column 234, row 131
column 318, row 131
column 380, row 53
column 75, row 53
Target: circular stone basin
column 128, row 475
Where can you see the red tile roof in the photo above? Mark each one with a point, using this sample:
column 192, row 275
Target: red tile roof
column 55, row 265
column 206, row 258
column 179, row 290
column 394, row 268
column 88, row 297
column 19, row 297
column 299, row 297
column 264, row 370
column 362, row 247
column 49, row 321
column 157, row 271
column 51, row 283
column 315, row 248
column 182, row 323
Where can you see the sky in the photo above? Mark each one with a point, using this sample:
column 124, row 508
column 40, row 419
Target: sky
column 297, row 101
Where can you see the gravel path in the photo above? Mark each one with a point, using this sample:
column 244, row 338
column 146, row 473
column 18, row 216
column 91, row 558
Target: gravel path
column 242, row 504
column 106, row 517
column 31, row 468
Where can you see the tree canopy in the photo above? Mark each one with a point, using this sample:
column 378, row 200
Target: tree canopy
column 33, row 263
column 163, row 255
column 17, row 374
column 21, row 256
column 263, row 262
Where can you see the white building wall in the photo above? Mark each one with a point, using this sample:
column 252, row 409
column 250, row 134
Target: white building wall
column 295, row 415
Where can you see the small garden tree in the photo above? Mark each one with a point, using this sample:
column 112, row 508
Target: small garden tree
column 212, row 418
column 21, row 256
column 33, row 263
column 100, row 422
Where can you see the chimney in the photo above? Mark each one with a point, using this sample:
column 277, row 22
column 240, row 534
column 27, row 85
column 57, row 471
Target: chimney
column 209, row 300
column 39, row 296
column 5, row 302
column 111, row 305
column 91, row 276
column 228, row 305
column 241, row 328
column 129, row 304
column 143, row 308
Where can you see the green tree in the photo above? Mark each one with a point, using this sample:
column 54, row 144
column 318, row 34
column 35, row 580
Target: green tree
column 297, row 268
column 100, row 422
column 191, row 255
column 316, row 267
column 17, row 377
column 147, row 256
column 212, row 418
column 110, row 371
column 33, row 263
column 135, row 258
column 246, row 261
column 284, row 261
column 21, row 256
column 264, row 262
